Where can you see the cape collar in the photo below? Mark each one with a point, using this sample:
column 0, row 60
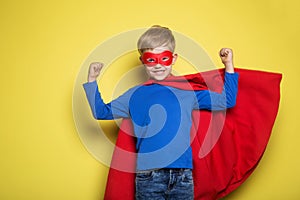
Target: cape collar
column 186, row 82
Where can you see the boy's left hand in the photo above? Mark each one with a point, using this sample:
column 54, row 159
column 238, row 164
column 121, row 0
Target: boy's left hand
column 226, row 56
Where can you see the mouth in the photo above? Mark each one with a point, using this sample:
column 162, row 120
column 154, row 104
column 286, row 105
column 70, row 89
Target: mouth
column 158, row 71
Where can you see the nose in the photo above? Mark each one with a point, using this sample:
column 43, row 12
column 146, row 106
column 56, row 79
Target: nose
column 157, row 66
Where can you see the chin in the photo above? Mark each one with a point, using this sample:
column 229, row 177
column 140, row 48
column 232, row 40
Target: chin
column 159, row 78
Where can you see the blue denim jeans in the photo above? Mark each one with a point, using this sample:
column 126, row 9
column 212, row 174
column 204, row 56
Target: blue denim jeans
column 164, row 184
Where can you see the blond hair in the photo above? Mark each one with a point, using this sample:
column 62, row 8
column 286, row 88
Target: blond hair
column 156, row 36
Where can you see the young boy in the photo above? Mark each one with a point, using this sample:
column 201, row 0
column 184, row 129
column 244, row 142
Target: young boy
column 161, row 116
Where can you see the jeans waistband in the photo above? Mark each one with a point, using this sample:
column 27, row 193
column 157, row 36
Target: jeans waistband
column 165, row 169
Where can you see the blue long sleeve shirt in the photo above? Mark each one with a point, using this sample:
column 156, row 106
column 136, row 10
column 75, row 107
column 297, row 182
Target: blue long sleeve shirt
column 162, row 118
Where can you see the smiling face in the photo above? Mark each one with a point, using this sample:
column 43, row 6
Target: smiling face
column 158, row 62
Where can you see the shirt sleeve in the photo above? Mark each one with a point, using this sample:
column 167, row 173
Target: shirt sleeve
column 117, row 108
column 209, row 100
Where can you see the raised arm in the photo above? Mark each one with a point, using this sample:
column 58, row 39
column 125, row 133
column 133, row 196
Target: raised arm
column 118, row 108
column 219, row 101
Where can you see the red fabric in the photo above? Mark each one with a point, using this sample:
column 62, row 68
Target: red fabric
column 227, row 145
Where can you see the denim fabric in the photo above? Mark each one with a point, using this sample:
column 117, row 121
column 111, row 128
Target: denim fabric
column 162, row 184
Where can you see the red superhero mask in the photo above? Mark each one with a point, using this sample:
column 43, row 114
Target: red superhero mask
column 151, row 59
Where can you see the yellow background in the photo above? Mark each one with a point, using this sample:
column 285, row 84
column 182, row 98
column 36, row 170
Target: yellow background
column 44, row 43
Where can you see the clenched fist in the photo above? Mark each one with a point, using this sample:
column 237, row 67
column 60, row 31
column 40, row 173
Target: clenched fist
column 94, row 71
column 226, row 56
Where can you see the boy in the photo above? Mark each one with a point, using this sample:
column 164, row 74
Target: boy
column 161, row 116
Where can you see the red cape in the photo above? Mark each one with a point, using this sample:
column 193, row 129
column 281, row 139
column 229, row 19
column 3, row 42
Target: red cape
column 227, row 145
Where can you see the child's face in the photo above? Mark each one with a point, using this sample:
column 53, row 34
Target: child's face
column 158, row 62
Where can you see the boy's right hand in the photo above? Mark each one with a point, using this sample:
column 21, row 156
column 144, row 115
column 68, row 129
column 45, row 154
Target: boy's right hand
column 94, row 71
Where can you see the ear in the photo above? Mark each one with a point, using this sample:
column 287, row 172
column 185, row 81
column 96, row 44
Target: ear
column 141, row 58
column 174, row 58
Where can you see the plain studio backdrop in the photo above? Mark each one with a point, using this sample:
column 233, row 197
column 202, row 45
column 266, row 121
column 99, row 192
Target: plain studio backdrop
column 45, row 43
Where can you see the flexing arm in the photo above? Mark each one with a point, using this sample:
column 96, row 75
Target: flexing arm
column 220, row 101
column 118, row 108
